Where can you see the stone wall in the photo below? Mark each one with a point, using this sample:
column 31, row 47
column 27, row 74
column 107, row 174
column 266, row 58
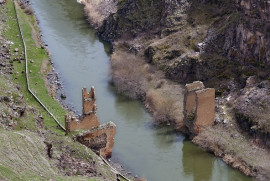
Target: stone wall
column 89, row 118
column 98, row 137
column 199, row 107
column 86, row 122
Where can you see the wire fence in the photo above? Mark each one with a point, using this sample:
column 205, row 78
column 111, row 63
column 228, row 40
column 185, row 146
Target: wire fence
column 40, row 102
column 26, row 73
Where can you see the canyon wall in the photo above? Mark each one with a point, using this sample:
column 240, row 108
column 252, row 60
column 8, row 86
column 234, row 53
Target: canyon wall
column 210, row 33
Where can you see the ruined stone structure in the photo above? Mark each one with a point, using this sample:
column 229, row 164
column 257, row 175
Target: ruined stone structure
column 199, row 107
column 98, row 137
column 89, row 118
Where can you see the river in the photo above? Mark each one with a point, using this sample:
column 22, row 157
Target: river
column 82, row 60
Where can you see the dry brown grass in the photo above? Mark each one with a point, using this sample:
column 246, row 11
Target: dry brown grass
column 164, row 108
column 135, row 78
column 225, row 140
column 140, row 179
column 94, row 16
column 98, row 10
column 129, row 74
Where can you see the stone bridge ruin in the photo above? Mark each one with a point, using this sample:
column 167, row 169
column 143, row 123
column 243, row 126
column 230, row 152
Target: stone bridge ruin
column 99, row 138
column 199, row 107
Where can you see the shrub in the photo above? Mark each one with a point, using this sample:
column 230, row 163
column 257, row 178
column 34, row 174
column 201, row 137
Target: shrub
column 163, row 108
column 129, row 74
column 29, row 11
column 22, row 5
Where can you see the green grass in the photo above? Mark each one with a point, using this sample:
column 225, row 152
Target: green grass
column 18, row 155
column 36, row 81
column 22, row 158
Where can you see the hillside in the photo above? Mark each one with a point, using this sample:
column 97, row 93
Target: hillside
column 33, row 147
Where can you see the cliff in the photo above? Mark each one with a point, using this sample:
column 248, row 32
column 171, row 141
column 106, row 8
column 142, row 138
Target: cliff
column 209, row 34
column 223, row 43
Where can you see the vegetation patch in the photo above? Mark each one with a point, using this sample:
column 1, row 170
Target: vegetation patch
column 38, row 54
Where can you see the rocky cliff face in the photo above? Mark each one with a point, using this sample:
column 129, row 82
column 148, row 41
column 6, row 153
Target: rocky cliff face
column 220, row 42
column 246, row 36
column 131, row 18
column 138, row 16
column 252, row 110
column 220, row 31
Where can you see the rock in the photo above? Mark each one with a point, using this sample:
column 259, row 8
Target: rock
column 31, row 61
column 63, row 96
column 7, row 99
column 16, row 49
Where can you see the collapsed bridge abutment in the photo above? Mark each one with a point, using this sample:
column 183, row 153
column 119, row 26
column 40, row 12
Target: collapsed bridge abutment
column 199, row 107
column 99, row 138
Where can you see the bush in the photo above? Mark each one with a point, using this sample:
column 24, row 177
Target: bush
column 163, row 108
column 129, row 74
column 29, row 11
column 22, row 5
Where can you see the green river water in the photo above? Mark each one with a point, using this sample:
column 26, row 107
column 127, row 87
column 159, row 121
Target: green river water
column 82, row 60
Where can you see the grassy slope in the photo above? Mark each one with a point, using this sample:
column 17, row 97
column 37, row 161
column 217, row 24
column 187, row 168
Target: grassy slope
column 23, row 153
column 36, row 81
column 24, row 158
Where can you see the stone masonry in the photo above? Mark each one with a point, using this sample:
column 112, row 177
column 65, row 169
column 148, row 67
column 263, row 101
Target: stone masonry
column 89, row 118
column 98, row 137
column 199, row 107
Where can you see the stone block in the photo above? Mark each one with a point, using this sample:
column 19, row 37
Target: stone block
column 205, row 112
column 87, row 122
column 197, row 85
column 190, row 97
column 100, row 139
column 89, row 101
column 199, row 107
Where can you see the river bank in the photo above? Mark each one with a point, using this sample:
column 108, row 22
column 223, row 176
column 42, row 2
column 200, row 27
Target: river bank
column 155, row 152
column 133, row 76
column 32, row 145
